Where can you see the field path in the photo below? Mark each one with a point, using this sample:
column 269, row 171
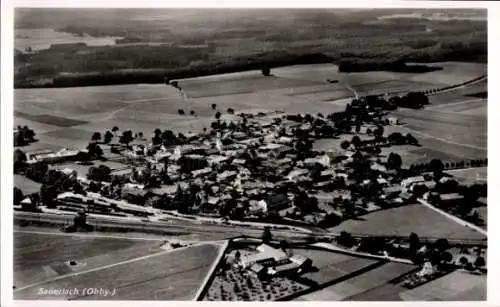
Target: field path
column 454, row 218
column 445, row 140
column 352, row 91
column 105, row 267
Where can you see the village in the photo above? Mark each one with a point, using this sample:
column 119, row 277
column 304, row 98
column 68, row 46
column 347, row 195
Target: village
column 259, row 168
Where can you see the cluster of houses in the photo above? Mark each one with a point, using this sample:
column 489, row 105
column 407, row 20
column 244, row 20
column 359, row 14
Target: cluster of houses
column 258, row 167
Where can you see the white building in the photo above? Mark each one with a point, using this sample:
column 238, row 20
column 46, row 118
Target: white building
column 412, row 180
column 49, row 156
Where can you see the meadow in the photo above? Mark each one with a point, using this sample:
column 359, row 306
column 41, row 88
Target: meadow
column 330, row 266
column 452, row 128
column 345, row 290
column 172, row 275
column 404, row 220
column 38, row 256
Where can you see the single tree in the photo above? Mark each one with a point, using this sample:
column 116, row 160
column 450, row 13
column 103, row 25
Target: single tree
column 414, row 241
column 411, row 140
column 463, row 261
column 394, row 161
column 192, row 112
column 115, row 129
column 480, row 262
column 18, row 196
column 19, row 160
column 442, row 244
column 96, row 137
column 379, row 131
column 356, row 141
column 157, row 132
column 126, row 137
column 217, row 115
column 230, row 111
column 214, row 106
column 181, row 112
column 266, row 235
column 94, row 151
column 266, row 71
column 358, row 128
column 108, row 136
column 436, row 166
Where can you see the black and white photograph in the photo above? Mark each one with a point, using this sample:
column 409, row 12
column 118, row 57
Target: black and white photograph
column 246, row 154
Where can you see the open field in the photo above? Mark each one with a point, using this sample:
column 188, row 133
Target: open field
column 470, row 175
column 452, row 73
column 26, row 185
column 88, row 100
column 457, row 286
column 59, row 115
column 466, row 92
column 331, row 266
column 473, row 106
column 393, row 86
column 204, row 88
column 404, row 220
column 38, row 256
column 345, row 290
column 174, row 275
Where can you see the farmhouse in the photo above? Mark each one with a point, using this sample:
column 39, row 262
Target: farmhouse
column 274, row 261
column 451, row 199
column 48, row 156
column 294, row 174
column 406, row 183
column 267, row 256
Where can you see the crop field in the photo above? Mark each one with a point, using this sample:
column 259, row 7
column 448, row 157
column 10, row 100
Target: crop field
column 172, row 275
column 37, row 126
column 457, row 286
column 452, row 73
column 26, row 185
column 38, row 255
column 386, row 292
column 332, row 265
column 453, row 131
column 345, row 290
column 89, row 100
column 67, row 117
column 404, row 220
column 470, row 175
column 467, row 92
column 392, row 86
column 470, row 106
column 315, row 72
column 204, row 88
